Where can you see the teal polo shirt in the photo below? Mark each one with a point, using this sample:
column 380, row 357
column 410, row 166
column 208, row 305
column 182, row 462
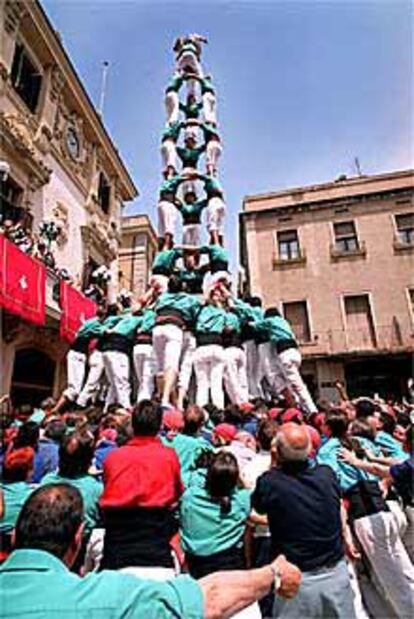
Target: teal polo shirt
column 166, row 259
column 91, row 491
column 211, row 319
column 347, row 475
column 190, row 156
column 34, row 583
column 15, row 495
column 205, row 530
column 390, row 446
column 188, row 448
column 191, row 212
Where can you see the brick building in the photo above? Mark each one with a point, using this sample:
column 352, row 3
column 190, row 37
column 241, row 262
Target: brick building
column 338, row 259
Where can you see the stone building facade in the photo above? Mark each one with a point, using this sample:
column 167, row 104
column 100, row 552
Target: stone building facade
column 136, row 253
column 338, row 260
column 63, row 167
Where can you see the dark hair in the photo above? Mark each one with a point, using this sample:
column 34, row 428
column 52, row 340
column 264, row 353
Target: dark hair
column 255, row 301
column 146, row 418
column 49, row 519
column 337, row 422
column 365, row 408
column 388, row 423
column 266, row 433
column 204, row 459
column 360, row 427
column 233, row 415
column 75, row 454
column 56, row 430
column 193, row 420
column 403, row 419
column 215, row 414
column 27, row 435
column 222, row 478
column 112, row 310
column 271, row 311
column 175, row 284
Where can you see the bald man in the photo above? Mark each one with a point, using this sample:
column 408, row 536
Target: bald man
column 302, row 502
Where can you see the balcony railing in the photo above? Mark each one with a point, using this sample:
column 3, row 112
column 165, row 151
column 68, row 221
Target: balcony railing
column 338, row 253
column 296, row 261
column 394, row 337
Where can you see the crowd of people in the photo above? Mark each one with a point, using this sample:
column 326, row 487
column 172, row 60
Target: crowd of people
column 252, row 510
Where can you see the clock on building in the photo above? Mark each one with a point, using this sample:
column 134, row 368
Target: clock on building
column 72, row 142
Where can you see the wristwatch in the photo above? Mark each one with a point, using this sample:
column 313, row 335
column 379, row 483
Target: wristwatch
column 277, row 579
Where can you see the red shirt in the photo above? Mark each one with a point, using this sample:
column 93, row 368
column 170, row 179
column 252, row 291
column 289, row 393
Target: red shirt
column 142, row 473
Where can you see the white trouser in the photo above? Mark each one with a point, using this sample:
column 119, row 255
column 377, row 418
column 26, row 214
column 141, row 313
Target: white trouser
column 215, row 215
column 144, row 364
column 235, row 376
column 187, row 360
column 189, row 63
column 93, row 382
column 270, row 368
column 291, row 360
column 167, row 218
column 252, row 369
column 172, row 106
column 382, row 545
column 191, row 234
column 209, row 368
column 210, row 108
column 408, row 538
column 117, row 370
column 168, row 154
column 75, row 364
column 213, row 152
column 167, row 341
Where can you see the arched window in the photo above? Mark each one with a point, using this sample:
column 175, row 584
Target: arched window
column 33, row 376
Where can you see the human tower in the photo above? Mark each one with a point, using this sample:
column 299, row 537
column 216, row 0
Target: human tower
column 190, row 135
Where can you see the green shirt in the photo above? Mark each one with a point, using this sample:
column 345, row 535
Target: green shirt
column 15, row 495
column 165, row 260
column 171, row 131
column 204, row 528
column 91, row 491
column 215, row 253
column 212, row 185
column 191, row 110
column 211, row 319
column 34, row 583
column 170, row 185
column 192, row 280
column 91, row 328
column 190, row 156
column 278, row 329
column 175, row 83
column 233, row 322
column 148, row 321
column 188, row 448
column 191, row 212
column 179, row 302
column 128, row 326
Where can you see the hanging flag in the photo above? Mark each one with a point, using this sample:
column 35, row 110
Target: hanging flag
column 22, row 283
column 76, row 308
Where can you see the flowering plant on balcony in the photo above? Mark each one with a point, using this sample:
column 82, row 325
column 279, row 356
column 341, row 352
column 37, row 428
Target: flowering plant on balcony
column 49, row 231
column 101, row 275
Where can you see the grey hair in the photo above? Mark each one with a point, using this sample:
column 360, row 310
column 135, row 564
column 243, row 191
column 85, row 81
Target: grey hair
column 287, row 452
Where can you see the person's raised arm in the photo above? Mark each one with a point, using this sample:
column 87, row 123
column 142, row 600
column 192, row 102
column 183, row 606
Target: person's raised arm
column 380, row 470
column 226, row 593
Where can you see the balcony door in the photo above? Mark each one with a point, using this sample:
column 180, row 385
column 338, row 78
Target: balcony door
column 360, row 332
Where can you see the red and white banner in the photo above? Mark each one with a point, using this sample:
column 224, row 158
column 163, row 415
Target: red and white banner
column 22, row 283
column 76, row 308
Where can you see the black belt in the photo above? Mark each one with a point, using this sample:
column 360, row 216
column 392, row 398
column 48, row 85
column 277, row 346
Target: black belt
column 118, row 343
column 165, row 317
column 143, row 338
column 218, row 265
column 230, row 559
column 80, row 345
column 206, row 339
column 283, row 345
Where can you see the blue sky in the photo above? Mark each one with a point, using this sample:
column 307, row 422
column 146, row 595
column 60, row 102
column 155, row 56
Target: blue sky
column 303, row 86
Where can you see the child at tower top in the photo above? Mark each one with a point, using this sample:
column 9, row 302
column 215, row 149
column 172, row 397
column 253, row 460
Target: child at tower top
column 191, row 210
